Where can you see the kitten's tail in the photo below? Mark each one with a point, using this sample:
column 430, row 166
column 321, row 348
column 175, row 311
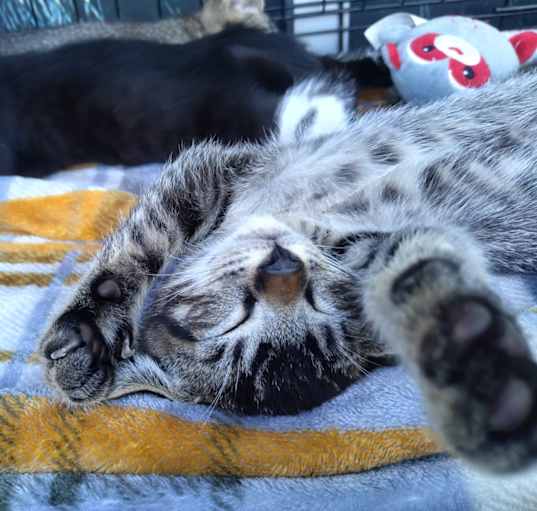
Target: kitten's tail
column 316, row 107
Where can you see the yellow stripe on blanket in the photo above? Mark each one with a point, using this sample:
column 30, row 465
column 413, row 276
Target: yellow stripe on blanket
column 5, row 355
column 50, row 252
column 20, row 279
column 80, row 215
column 39, row 435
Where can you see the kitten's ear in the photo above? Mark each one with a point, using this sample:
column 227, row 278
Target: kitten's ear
column 315, row 108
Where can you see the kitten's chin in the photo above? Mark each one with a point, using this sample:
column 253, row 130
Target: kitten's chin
column 284, row 397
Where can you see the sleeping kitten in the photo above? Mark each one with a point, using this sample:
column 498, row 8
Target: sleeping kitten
column 135, row 102
column 212, row 18
column 284, row 266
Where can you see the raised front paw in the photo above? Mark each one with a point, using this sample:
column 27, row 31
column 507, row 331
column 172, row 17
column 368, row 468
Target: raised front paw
column 83, row 345
column 78, row 361
column 480, row 382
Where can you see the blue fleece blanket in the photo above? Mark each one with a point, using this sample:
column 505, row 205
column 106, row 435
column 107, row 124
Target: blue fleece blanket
column 367, row 449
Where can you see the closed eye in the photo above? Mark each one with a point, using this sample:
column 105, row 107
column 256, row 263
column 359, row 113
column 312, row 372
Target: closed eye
column 248, row 305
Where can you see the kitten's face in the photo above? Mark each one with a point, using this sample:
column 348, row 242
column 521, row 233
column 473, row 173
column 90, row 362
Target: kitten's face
column 260, row 320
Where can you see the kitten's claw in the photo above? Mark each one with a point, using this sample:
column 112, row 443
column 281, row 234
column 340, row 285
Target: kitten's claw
column 79, row 362
column 127, row 351
column 63, row 352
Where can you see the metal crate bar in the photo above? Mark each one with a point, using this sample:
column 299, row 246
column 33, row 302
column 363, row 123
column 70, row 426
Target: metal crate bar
column 344, row 20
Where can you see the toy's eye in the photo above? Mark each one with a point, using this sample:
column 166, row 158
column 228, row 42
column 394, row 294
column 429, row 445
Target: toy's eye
column 425, row 49
column 469, row 77
column 468, row 73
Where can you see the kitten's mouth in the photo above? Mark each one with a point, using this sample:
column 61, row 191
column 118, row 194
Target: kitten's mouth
column 290, row 381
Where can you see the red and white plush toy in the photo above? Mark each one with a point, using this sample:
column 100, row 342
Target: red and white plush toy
column 432, row 59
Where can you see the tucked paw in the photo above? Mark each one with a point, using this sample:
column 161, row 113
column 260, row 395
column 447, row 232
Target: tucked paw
column 481, row 383
column 79, row 363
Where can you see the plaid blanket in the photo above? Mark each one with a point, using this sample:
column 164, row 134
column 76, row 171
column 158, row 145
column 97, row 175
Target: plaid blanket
column 369, row 448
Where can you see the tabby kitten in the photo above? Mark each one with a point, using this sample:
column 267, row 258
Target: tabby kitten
column 212, row 18
column 283, row 266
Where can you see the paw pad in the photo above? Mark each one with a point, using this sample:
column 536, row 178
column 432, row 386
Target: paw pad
column 108, row 290
column 468, row 320
column 513, row 407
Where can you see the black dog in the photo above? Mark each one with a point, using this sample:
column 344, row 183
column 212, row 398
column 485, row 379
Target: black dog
column 133, row 102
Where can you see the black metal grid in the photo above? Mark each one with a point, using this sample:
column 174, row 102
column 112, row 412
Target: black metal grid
column 353, row 16
column 504, row 14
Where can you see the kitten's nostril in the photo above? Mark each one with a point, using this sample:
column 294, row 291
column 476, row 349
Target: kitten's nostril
column 281, row 261
column 281, row 277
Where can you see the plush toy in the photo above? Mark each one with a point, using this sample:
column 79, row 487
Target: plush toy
column 432, row 59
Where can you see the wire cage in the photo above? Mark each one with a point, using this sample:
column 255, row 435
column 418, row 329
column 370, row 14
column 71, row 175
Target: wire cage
column 327, row 26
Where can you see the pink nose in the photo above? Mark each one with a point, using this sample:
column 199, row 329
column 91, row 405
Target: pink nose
column 281, row 278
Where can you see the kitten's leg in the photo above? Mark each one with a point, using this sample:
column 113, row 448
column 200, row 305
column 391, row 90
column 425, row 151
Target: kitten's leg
column 427, row 295
column 84, row 344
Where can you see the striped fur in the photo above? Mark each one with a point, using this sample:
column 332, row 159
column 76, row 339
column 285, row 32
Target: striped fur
column 398, row 217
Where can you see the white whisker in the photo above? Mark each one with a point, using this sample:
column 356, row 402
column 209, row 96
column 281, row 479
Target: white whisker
column 218, row 396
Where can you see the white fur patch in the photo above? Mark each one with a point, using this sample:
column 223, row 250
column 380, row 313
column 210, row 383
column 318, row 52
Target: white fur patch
column 310, row 110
